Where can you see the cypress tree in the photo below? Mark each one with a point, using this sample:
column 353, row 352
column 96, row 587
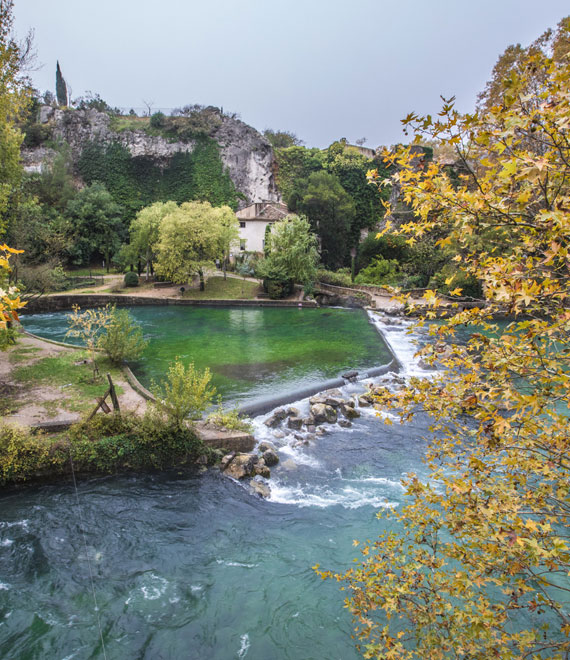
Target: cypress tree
column 60, row 87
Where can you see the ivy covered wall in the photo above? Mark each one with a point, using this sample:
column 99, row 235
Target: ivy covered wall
column 137, row 181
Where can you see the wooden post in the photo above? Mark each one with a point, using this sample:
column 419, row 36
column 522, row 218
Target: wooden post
column 113, row 394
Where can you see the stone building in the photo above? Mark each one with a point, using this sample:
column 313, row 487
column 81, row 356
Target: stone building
column 253, row 220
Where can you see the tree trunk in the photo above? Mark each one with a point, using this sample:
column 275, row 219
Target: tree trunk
column 202, row 284
column 147, row 262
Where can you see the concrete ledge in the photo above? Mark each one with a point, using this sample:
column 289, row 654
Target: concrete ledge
column 230, row 440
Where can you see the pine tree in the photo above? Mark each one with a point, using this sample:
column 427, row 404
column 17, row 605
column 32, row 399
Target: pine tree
column 60, row 87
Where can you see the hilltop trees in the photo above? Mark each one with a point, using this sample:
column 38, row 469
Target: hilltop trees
column 60, row 87
column 478, row 564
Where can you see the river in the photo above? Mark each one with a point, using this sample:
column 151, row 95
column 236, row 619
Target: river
column 186, row 564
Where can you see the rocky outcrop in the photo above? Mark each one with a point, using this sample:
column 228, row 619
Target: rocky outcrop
column 245, row 153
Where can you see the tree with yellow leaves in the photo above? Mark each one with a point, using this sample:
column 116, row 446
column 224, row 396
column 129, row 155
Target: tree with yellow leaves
column 480, row 565
column 9, row 296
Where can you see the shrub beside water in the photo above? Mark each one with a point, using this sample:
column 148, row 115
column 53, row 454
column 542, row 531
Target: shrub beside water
column 131, row 279
column 105, row 445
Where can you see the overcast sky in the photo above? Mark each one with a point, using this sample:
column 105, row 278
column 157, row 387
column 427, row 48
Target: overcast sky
column 323, row 69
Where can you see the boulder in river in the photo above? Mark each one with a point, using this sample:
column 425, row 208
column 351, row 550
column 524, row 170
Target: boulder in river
column 295, row 423
column 349, row 412
column 277, row 417
column 345, row 423
column 292, row 412
column 242, row 465
column 365, row 400
column 323, row 413
column 270, row 457
column 261, row 469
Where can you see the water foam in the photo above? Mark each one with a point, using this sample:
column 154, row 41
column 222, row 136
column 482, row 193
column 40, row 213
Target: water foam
column 396, row 333
column 245, row 644
column 323, row 497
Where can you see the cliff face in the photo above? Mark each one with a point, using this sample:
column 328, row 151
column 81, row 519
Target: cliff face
column 245, row 153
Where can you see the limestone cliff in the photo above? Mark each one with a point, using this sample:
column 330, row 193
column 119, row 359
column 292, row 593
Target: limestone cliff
column 245, row 153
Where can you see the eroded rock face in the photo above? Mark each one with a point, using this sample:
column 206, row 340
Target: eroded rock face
column 245, row 153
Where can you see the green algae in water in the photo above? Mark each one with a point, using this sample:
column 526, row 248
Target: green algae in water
column 253, row 353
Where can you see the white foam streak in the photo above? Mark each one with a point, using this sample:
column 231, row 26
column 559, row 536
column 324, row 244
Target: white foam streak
column 348, row 497
column 245, row 644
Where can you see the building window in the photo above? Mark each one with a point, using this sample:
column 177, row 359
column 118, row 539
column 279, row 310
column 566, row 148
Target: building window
column 242, row 244
column 242, row 224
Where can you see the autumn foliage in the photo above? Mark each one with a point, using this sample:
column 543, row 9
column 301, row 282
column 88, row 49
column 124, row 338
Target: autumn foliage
column 479, row 565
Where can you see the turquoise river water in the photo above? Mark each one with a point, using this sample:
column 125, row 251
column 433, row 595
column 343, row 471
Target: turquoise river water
column 191, row 565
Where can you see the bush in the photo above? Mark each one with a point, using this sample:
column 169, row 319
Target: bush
column 277, row 287
column 157, row 120
column 186, row 393
column 469, row 286
column 339, row 278
column 42, row 279
column 381, row 271
column 104, row 444
column 131, row 279
column 122, row 339
column 229, row 419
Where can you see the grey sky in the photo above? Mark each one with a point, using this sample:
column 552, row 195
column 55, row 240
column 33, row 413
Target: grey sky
column 324, row 69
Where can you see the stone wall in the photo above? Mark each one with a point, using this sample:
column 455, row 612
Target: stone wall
column 61, row 302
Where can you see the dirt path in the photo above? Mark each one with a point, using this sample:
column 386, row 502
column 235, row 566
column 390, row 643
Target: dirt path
column 32, row 403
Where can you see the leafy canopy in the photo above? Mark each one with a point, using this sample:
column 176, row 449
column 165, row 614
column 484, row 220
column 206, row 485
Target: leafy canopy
column 191, row 237
column 479, row 564
column 291, row 251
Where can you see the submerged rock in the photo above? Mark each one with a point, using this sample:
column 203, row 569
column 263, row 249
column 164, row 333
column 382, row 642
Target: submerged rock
column 289, row 464
column 345, row 423
column 277, row 417
column 265, row 445
column 259, row 488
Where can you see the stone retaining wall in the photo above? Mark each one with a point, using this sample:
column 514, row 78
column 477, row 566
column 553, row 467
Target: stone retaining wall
column 60, row 302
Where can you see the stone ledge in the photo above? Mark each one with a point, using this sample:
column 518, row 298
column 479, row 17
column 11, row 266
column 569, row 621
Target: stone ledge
column 239, row 441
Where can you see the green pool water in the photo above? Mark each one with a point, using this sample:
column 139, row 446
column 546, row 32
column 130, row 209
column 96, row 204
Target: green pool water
column 252, row 353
